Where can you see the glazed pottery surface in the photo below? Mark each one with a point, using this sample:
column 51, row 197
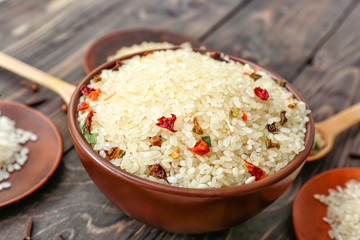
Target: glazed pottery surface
column 183, row 210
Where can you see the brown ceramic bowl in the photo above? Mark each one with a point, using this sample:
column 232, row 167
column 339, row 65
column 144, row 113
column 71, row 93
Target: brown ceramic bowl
column 183, row 210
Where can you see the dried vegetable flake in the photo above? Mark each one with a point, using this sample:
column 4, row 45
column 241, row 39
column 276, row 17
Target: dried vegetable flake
column 167, row 123
column 200, row 148
column 83, row 106
column 255, row 171
column 261, row 93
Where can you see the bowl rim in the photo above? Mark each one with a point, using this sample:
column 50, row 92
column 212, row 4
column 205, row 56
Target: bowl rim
column 297, row 162
column 97, row 44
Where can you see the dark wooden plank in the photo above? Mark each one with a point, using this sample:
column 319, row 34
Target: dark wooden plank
column 278, row 34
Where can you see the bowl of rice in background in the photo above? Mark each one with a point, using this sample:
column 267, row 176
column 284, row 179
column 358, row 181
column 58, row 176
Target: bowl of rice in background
column 189, row 140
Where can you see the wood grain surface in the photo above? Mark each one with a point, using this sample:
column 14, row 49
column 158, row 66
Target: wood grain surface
column 314, row 44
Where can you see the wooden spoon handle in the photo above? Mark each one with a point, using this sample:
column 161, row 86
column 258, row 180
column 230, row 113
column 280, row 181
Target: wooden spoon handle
column 64, row 89
column 341, row 121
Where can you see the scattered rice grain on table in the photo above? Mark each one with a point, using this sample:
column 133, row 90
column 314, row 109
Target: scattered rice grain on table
column 12, row 154
column 234, row 124
column 343, row 211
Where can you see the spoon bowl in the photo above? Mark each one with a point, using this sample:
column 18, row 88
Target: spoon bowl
column 331, row 127
column 44, row 156
column 308, row 212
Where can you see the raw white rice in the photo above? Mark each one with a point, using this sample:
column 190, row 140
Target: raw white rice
column 189, row 85
column 144, row 46
column 343, row 211
column 12, row 154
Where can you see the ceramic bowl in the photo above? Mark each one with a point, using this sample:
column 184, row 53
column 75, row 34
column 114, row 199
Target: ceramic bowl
column 183, row 210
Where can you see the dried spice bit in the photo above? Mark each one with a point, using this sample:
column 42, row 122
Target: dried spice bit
column 155, row 141
column 118, row 64
column 82, row 106
column 233, row 113
column 64, row 107
column 33, row 86
column 292, row 103
column 281, row 83
column 197, row 129
column 283, row 118
column 115, row 152
column 218, row 56
column 86, row 90
column 85, row 130
column 147, row 53
column 88, row 121
column 167, row 123
column 207, row 139
column 200, row 148
column 157, row 171
column 175, row 154
column 255, row 171
column 255, row 76
column 319, row 143
column 272, row 128
column 270, row 144
column 244, row 117
column 28, row 228
column 261, row 93
column 97, row 78
column 95, row 94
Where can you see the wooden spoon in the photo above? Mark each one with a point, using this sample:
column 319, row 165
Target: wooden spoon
column 334, row 125
column 64, row 89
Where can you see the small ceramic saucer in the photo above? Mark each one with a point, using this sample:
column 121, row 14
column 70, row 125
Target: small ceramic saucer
column 308, row 212
column 107, row 45
column 43, row 158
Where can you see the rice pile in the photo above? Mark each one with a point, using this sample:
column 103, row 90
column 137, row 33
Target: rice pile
column 343, row 211
column 144, row 46
column 12, row 154
column 189, row 85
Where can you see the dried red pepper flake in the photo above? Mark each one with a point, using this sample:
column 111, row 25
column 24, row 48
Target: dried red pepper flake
column 167, row 123
column 86, row 90
column 244, row 117
column 255, row 171
column 157, row 171
column 155, row 141
column 88, row 122
column 82, row 106
column 261, row 93
column 200, row 148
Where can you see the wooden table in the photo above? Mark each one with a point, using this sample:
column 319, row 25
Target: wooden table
column 313, row 44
